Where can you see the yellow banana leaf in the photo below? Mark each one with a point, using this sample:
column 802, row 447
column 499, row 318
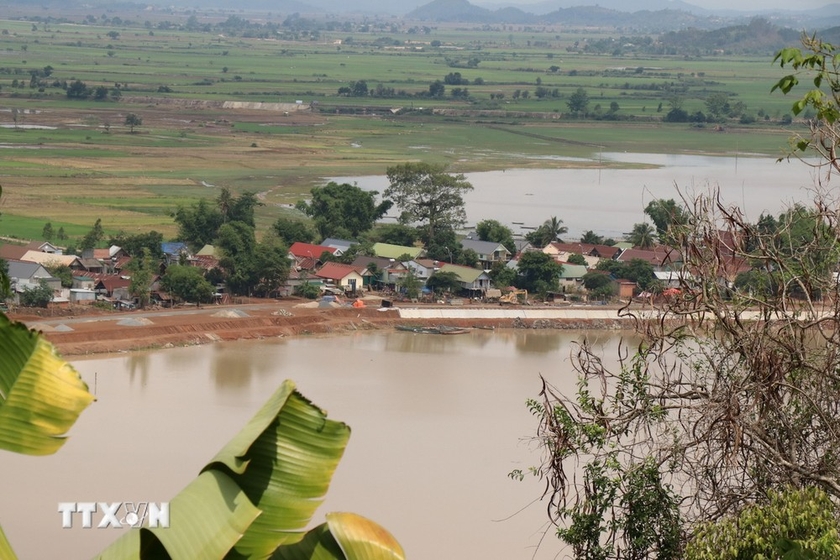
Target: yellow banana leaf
column 41, row 395
column 345, row 536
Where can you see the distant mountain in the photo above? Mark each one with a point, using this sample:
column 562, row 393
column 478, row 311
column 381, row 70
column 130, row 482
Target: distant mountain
column 629, row 6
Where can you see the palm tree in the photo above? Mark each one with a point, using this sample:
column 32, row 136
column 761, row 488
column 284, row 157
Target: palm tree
column 642, row 236
column 551, row 230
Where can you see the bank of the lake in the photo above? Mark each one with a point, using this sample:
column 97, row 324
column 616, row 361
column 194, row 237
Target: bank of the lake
column 75, row 335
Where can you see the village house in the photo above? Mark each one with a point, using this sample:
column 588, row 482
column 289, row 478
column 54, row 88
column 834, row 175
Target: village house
column 307, row 256
column 488, row 252
column 174, row 251
column 660, row 258
column 28, row 275
column 387, row 271
column 341, row 246
column 343, row 276
column 423, row 268
column 473, row 280
column 571, row 277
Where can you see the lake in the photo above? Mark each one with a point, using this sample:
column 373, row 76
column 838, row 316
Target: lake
column 437, row 424
column 610, row 201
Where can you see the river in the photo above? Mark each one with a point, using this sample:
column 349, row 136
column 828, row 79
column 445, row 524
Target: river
column 437, row 423
column 610, row 200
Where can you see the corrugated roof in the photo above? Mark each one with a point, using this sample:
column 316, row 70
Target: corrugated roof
column 395, row 251
column 308, row 250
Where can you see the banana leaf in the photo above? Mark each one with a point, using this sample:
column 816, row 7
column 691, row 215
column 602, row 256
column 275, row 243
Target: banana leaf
column 6, row 552
column 345, row 536
column 41, row 395
column 280, row 464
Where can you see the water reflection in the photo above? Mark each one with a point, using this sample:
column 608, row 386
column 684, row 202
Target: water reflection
column 438, row 422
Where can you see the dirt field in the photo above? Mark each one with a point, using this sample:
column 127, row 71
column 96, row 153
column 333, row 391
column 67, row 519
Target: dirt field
column 85, row 330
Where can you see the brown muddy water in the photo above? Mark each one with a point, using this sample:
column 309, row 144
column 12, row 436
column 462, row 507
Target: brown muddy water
column 438, row 422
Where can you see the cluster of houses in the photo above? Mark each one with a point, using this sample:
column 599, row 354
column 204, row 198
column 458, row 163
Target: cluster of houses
column 100, row 274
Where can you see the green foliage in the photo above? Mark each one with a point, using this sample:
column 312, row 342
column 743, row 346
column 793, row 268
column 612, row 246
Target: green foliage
column 666, row 214
column 132, row 121
column 495, row 231
column 578, row 101
column 47, row 233
column 291, row 231
column 538, row 272
column 642, row 236
column 591, row 237
column 307, row 290
column 548, row 232
column 133, row 244
column 187, row 283
column 410, row 284
column 427, row 195
column 142, row 267
column 599, row 285
column 198, row 224
column 237, row 243
column 395, row 234
column 790, row 524
column 575, row 258
column 502, row 275
column 441, row 282
column 344, row 211
column 39, row 296
column 93, row 237
column 62, row 272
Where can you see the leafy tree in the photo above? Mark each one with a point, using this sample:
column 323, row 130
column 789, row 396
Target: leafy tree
column 93, row 237
column 468, row 257
column 575, row 258
column 502, row 275
column 78, row 90
column 410, row 284
column 792, row 524
column 61, row 235
column 132, row 121
column 5, row 283
column 62, row 272
column 427, row 195
column 642, row 236
column 666, row 214
column 441, row 282
column 495, row 231
column 237, row 243
column 237, row 209
column 198, row 224
column 307, row 290
column 578, row 101
column 592, row 238
column 133, row 244
column 718, row 105
column 396, row 234
column 291, row 231
column 436, row 89
column 143, row 268
column 599, row 285
column 39, row 296
column 47, row 233
column 538, row 272
column 344, row 210
column 548, row 232
column 187, row 283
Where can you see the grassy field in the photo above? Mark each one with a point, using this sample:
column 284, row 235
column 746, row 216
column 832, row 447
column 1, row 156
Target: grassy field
column 71, row 161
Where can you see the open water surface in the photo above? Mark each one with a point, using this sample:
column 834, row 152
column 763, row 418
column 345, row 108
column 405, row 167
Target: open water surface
column 437, row 424
column 610, row 201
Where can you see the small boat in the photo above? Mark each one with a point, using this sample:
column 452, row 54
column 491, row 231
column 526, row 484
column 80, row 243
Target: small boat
column 452, row 330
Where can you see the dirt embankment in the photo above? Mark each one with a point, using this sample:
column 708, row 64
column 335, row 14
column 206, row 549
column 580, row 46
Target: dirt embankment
column 79, row 332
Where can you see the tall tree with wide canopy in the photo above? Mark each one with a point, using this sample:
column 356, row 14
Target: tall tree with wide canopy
column 344, row 210
column 642, row 236
column 548, row 232
column 428, row 195
column 666, row 214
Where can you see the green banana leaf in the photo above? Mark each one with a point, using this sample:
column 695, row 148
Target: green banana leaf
column 281, row 464
column 41, row 395
column 6, row 552
column 345, row 536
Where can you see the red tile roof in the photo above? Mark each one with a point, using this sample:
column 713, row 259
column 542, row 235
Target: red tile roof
column 336, row 271
column 308, row 250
